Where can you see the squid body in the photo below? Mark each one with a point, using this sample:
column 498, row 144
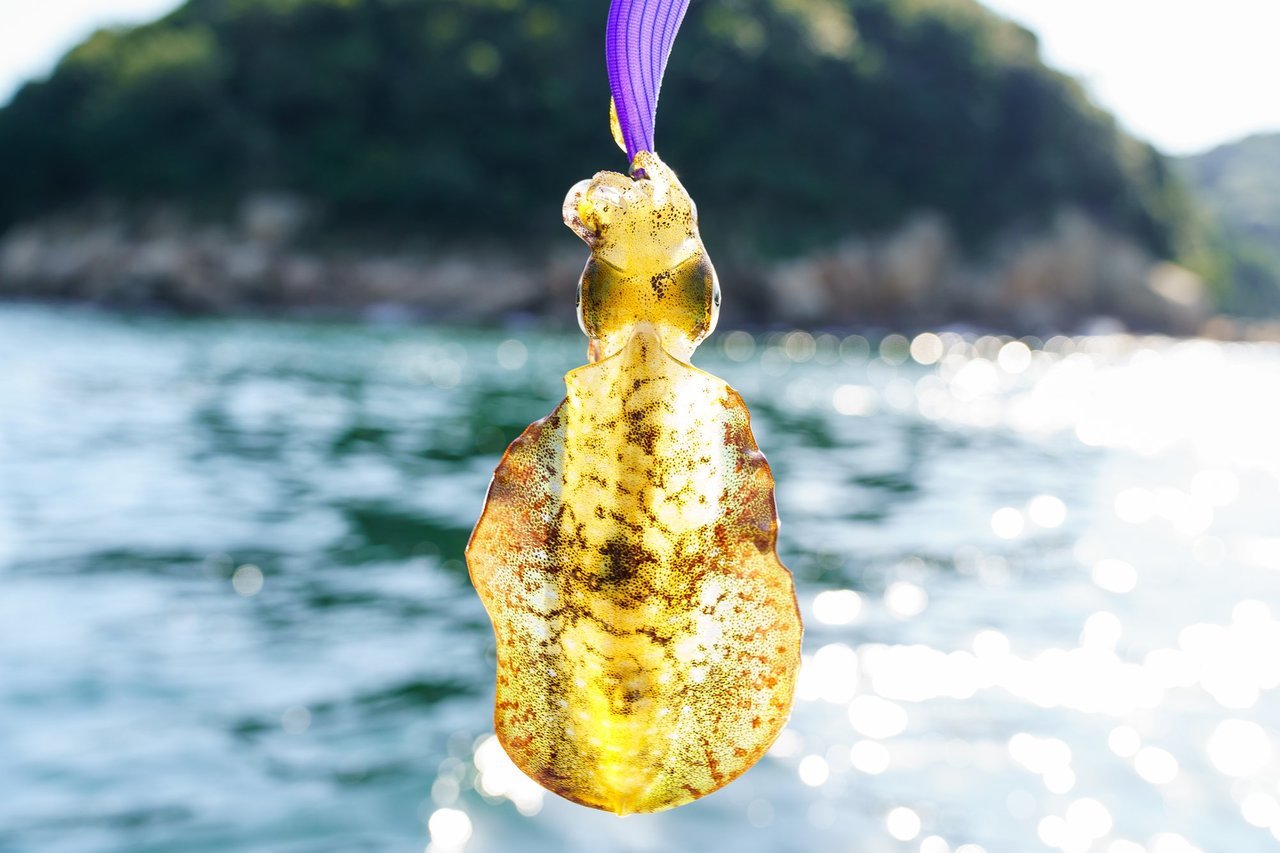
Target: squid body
column 647, row 634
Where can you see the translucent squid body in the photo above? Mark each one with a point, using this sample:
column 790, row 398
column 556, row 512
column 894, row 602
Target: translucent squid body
column 647, row 635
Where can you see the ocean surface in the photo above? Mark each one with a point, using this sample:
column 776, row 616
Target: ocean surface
column 1041, row 582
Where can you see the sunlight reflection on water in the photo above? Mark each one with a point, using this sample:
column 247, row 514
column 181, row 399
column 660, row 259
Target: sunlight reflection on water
column 1039, row 580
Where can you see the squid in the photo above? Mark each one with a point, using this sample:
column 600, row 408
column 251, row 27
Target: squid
column 647, row 634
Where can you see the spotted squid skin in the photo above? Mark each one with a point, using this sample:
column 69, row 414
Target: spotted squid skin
column 647, row 634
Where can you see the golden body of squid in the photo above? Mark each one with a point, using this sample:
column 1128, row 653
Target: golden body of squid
column 647, row 635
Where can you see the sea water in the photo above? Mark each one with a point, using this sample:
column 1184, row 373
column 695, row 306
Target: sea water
column 1041, row 583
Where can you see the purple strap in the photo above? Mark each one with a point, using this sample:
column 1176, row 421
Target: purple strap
column 637, row 45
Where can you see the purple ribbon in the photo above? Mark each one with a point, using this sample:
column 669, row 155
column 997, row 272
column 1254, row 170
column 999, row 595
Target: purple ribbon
column 637, row 46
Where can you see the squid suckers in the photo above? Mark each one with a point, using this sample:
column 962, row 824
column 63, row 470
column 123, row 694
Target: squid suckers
column 647, row 634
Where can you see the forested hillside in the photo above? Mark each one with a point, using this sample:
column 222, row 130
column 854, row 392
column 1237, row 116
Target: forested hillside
column 793, row 122
column 1240, row 185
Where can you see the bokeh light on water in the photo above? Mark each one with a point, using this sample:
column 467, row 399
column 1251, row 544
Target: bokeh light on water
column 1039, row 577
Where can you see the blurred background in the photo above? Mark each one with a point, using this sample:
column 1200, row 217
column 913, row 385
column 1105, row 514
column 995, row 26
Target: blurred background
column 280, row 279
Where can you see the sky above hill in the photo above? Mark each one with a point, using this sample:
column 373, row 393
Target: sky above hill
column 1184, row 74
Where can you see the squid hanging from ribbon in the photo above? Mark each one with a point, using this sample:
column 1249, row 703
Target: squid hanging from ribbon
column 647, row 634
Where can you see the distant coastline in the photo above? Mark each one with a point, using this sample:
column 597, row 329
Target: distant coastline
column 917, row 275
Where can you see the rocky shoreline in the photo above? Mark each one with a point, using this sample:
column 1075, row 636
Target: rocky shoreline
column 1059, row 279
